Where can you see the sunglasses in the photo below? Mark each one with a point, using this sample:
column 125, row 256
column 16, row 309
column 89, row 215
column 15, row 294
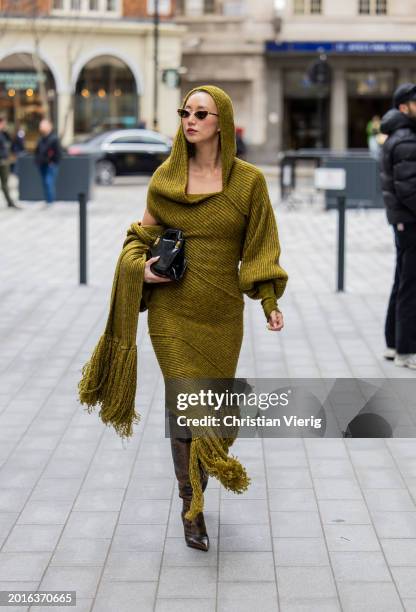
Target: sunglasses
column 200, row 114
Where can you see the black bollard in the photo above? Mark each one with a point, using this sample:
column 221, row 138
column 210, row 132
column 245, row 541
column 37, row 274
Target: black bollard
column 82, row 238
column 341, row 242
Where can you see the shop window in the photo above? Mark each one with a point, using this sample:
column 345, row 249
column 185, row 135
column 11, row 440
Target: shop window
column 298, row 85
column 105, row 97
column 307, row 7
column 378, row 83
column 27, row 94
column 373, row 7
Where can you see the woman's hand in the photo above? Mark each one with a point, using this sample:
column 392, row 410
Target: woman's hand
column 275, row 321
column 149, row 277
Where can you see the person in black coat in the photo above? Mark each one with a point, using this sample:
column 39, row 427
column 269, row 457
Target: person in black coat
column 47, row 157
column 18, row 147
column 5, row 146
column 398, row 178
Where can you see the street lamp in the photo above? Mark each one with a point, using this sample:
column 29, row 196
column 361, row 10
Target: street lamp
column 155, row 62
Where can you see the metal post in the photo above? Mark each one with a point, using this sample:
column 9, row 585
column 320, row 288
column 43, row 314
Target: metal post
column 82, row 238
column 341, row 242
column 155, row 63
column 320, row 110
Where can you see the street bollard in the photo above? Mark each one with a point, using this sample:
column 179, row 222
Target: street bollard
column 341, row 242
column 82, row 238
column 335, row 179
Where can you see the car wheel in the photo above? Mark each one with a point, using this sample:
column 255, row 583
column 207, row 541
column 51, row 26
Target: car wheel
column 105, row 172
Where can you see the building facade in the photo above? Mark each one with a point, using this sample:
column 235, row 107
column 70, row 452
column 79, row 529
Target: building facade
column 87, row 64
column 225, row 46
column 369, row 49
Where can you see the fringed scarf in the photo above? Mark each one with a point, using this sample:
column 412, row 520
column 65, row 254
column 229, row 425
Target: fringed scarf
column 109, row 378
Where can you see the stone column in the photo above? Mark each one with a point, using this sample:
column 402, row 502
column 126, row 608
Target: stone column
column 258, row 132
column 65, row 116
column 274, row 110
column 339, row 110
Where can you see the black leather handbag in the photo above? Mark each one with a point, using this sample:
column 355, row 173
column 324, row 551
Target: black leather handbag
column 171, row 247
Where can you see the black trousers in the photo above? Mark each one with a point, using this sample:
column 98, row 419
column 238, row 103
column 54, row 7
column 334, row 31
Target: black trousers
column 400, row 327
column 4, row 178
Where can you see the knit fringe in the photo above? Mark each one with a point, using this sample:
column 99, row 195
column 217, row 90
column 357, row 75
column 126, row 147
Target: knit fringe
column 109, row 380
column 212, row 452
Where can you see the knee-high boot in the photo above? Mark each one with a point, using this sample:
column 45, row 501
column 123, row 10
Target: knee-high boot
column 195, row 531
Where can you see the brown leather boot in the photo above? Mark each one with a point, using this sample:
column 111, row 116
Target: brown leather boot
column 195, row 531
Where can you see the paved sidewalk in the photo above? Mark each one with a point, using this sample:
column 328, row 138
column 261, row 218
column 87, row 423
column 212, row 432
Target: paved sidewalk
column 326, row 524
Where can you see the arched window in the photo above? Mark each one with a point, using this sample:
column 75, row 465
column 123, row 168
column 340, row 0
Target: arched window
column 27, row 94
column 105, row 96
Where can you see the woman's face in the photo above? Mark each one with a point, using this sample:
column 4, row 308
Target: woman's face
column 200, row 130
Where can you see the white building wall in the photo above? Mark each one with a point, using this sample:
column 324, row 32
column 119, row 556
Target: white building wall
column 67, row 45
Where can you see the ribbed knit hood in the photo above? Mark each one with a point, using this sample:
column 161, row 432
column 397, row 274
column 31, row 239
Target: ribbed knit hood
column 171, row 177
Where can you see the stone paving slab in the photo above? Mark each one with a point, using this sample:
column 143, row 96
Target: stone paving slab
column 326, row 524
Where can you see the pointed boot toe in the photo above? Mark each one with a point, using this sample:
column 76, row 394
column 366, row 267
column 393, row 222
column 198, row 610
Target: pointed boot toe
column 200, row 542
column 195, row 531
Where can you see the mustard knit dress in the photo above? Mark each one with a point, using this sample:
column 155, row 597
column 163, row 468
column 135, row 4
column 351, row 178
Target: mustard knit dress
column 196, row 324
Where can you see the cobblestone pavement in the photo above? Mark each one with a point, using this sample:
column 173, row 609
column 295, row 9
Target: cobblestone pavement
column 327, row 524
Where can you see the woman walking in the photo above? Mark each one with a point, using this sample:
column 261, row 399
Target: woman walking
column 222, row 205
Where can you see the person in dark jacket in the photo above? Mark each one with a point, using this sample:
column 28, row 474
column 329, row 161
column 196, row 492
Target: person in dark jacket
column 18, row 147
column 241, row 145
column 5, row 145
column 47, row 157
column 398, row 177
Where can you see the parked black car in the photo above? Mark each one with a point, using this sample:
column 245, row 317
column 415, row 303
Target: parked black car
column 124, row 152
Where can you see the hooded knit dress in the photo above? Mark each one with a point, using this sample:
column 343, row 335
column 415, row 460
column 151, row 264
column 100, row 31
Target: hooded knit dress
column 232, row 247
column 196, row 323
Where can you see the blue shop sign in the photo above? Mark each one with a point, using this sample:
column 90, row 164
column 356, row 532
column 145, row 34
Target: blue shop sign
column 340, row 47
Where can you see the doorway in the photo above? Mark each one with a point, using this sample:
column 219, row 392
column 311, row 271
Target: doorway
column 360, row 112
column 306, row 123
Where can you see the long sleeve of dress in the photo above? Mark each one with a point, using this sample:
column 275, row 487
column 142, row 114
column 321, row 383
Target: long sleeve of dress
column 260, row 276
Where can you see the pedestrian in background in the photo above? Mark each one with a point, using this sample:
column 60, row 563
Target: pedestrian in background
column 5, row 147
column 18, row 146
column 398, row 176
column 241, row 145
column 373, row 131
column 47, row 156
